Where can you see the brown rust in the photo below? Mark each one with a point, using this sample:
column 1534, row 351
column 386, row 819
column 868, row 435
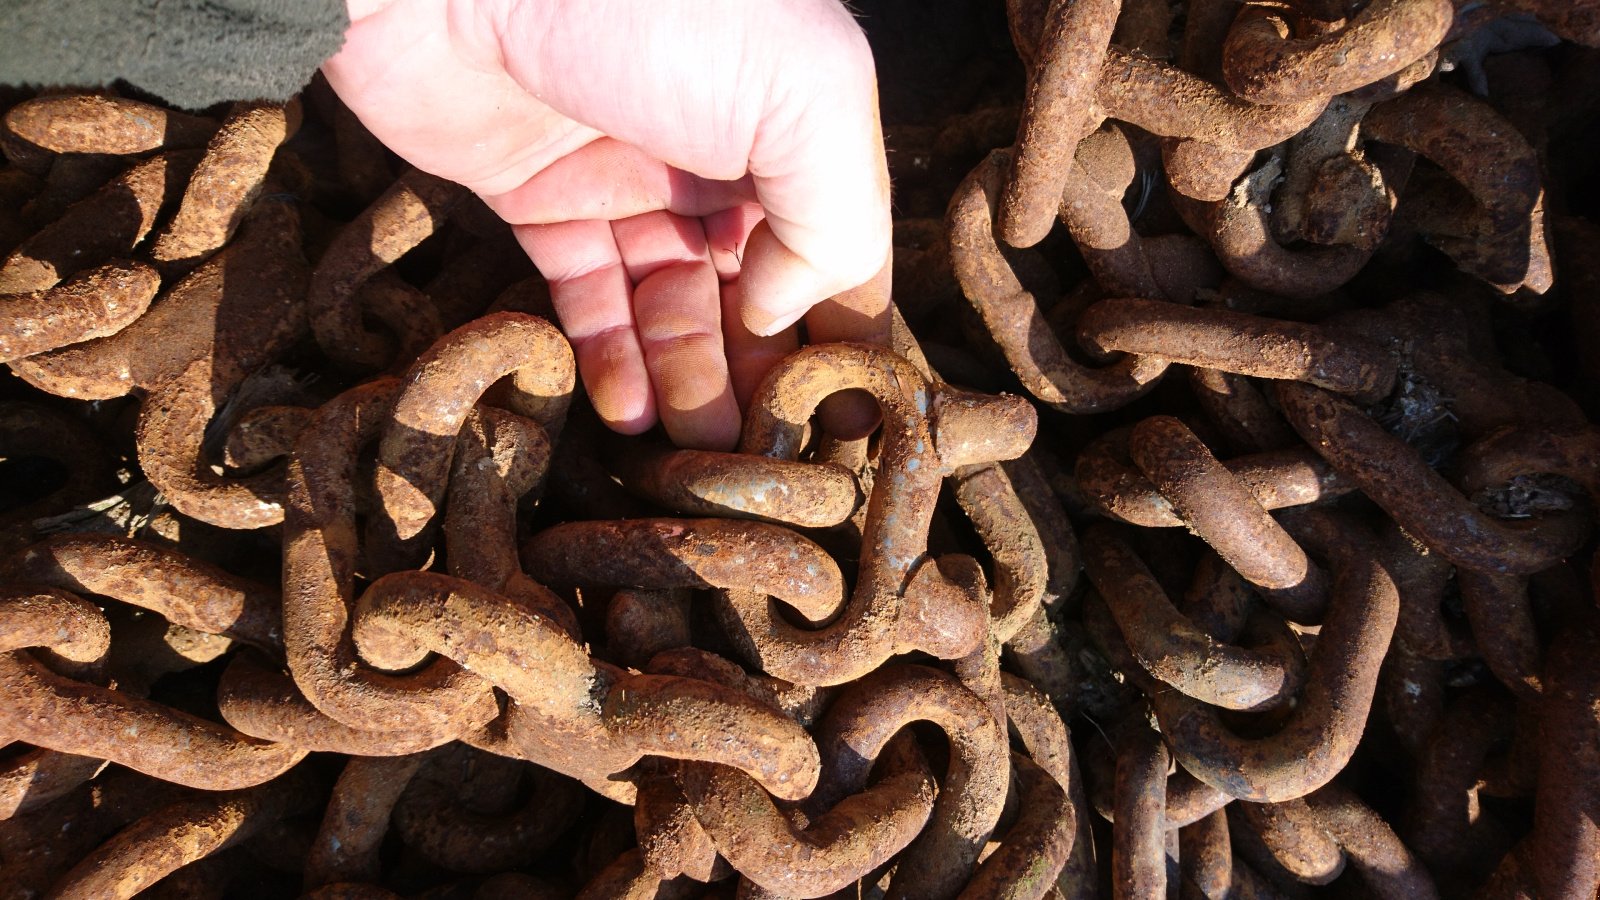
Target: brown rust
column 938, row 615
column 629, row 878
column 262, row 701
column 1312, row 838
column 972, row 428
column 1059, row 111
column 690, row 553
column 171, row 437
column 33, row 431
column 107, row 224
column 1562, row 854
column 1091, row 208
column 468, row 811
column 1446, row 825
column 94, row 303
column 1503, row 628
column 1145, row 27
column 1331, row 194
column 1205, row 855
column 357, row 818
column 1388, row 869
column 71, row 178
column 411, row 209
column 1423, row 579
column 671, row 838
column 500, row 457
column 1025, row 19
column 1264, row 64
column 411, row 319
column 438, row 391
column 836, row 847
column 263, row 317
column 66, row 628
column 1502, row 240
column 1413, row 698
column 692, row 719
column 42, row 846
column 736, row 485
column 640, row 624
column 1220, row 509
column 93, row 123
column 34, row 778
column 236, row 312
column 1173, row 649
column 1167, row 101
column 1034, row 849
column 183, row 590
column 472, row 277
column 70, row 716
column 1038, row 725
column 1201, row 171
column 1420, row 499
column 1138, row 844
column 1275, row 479
column 1290, row 834
column 1469, row 140
column 1442, row 347
column 1218, row 599
column 1205, row 30
column 1029, row 476
column 226, row 181
column 1347, row 203
column 178, row 835
column 404, row 615
column 149, row 648
column 264, row 434
column 901, row 599
column 1317, row 739
column 1241, row 343
column 1573, row 20
column 799, row 702
column 321, row 557
column 716, row 759
column 1013, row 315
column 1514, row 453
column 979, row 671
column 861, row 723
column 1239, row 230
column 1021, row 565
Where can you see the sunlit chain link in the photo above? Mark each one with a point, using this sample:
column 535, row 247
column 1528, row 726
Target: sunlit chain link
column 901, row 598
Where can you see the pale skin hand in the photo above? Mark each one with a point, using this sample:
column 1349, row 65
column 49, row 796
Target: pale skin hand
column 691, row 176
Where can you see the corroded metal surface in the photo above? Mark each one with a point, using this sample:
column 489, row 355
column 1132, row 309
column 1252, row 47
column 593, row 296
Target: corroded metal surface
column 316, row 488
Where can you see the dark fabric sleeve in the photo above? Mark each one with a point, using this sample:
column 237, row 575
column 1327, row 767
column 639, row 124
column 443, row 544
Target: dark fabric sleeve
column 190, row 53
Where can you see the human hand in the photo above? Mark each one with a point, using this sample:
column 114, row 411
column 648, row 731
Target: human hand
column 691, row 176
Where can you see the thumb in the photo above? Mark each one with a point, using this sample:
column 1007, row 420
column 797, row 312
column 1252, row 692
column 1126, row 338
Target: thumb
column 821, row 176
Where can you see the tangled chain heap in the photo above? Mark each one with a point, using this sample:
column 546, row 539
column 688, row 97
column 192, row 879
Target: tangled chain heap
column 322, row 578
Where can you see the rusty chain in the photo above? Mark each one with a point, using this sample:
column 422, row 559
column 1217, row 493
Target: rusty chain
column 314, row 538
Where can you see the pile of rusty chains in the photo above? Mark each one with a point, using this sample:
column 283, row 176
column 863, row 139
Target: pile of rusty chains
column 483, row 611
column 1439, row 589
column 406, row 632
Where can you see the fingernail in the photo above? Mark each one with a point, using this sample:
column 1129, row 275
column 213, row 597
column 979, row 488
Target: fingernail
column 764, row 324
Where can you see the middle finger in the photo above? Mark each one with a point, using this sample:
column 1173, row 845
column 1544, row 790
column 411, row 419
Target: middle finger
column 677, row 311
